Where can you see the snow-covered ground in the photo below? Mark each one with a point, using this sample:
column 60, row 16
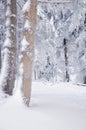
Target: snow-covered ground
column 53, row 107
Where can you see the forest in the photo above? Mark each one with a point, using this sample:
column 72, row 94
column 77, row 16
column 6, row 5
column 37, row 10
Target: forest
column 42, row 64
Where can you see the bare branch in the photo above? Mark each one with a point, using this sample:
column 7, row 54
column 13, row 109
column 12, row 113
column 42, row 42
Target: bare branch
column 53, row 2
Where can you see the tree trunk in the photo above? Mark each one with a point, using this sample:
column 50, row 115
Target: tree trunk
column 0, row 58
column 66, row 59
column 9, row 48
column 27, row 49
column 85, row 21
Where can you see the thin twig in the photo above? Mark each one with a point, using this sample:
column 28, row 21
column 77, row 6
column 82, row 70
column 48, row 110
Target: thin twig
column 53, row 2
column 19, row 5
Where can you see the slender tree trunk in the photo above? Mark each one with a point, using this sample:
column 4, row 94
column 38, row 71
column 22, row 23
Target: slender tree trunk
column 0, row 58
column 66, row 59
column 28, row 48
column 85, row 20
column 9, row 48
column 85, row 44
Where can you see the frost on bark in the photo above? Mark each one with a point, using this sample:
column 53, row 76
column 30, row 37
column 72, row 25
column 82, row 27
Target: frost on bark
column 27, row 49
column 9, row 48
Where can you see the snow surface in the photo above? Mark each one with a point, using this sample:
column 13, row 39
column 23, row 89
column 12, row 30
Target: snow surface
column 53, row 107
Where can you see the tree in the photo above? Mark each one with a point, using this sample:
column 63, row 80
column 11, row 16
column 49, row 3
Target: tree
column 66, row 59
column 27, row 49
column 0, row 58
column 9, row 48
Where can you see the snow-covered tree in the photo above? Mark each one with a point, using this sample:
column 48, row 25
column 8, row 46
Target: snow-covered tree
column 57, row 22
column 9, row 48
column 2, row 23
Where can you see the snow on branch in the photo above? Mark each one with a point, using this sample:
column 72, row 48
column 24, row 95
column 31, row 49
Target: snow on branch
column 8, row 12
column 26, row 6
column 7, row 42
column 24, row 44
column 54, row 2
column 27, row 25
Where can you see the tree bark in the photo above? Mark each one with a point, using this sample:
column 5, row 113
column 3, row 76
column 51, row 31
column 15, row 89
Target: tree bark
column 0, row 58
column 28, row 52
column 9, row 47
column 66, row 59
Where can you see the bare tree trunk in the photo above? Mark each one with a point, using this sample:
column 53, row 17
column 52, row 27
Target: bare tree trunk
column 9, row 48
column 66, row 59
column 85, row 43
column 0, row 58
column 28, row 48
column 85, row 20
